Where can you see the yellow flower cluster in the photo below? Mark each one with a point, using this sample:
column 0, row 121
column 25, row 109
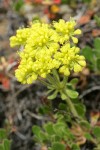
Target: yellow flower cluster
column 46, row 47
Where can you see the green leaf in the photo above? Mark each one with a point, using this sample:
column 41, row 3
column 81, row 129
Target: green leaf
column 44, row 109
column 57, row 138
column 55, row 73
column 58, row 146
column 97, row 19
column 7, row 144
column 80, row 109
column 53, row 96
column 96, row 131
column 51, row 87
column 88, row 136
column 49, row 148
column 88, row 53
column 97, row 43
column 59, row 117
column 72, row 94
column 63, row 96
column 3, row 134
column 36, row 130
column 74, row 81
column 59, row 128
column 18, row 5
column 65, row 1
column 75, row 147
column 98, row 64
column 87, row 1
column 50, row 79
column 85, row 124
column 43, row 136
column 38, row 133
column 1, row 147
column 62, row 106
column 49, row 128
column 96, row 54
column 97, row 147
column 50, row 91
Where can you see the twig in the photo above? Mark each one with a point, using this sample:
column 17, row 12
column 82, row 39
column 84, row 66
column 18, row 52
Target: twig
column 20, row 135
column 21, row 90
column 89, row 91
column 10, row 66
column 37, row 116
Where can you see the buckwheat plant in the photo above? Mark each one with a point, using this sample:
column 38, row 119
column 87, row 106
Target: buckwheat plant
column 50, row 55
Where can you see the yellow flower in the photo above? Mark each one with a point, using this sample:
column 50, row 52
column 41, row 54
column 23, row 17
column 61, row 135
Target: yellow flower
column 20, row 38
column 75, row 40
column 78, row 31
column 77, row 68
column 46, row 47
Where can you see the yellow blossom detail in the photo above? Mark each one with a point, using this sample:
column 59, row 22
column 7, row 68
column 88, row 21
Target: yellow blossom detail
column 46, row 47
column 78, row 31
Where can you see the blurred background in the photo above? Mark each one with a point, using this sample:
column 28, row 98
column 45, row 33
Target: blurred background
column 21, row 104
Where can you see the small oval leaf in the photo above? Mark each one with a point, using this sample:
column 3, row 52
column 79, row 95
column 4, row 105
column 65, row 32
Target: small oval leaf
column 58, row 146
column 72, row 94
column 53, row 96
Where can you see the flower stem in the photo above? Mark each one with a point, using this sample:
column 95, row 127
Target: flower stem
column 71, row 106
column 43, row 82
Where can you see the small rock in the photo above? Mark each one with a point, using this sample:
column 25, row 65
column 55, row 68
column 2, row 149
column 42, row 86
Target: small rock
column 65, row 9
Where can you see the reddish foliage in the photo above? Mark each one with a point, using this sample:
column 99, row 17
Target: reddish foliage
column 90, row 13
column 4, row 81
column 96, row 32
column 46, row 11
column 38, row 1
column 95, row 117
column 51, row 16
column 57, row 1
column 43, row 1
column 33, row 1
column 84, row 19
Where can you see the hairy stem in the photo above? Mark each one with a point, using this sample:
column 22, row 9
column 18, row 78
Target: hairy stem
column 43, row 82
column 71, row 106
